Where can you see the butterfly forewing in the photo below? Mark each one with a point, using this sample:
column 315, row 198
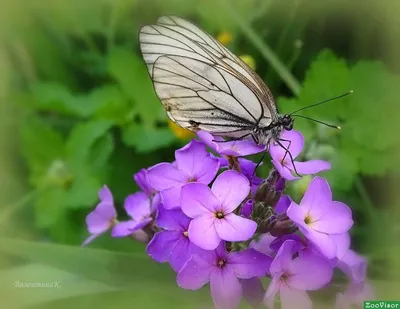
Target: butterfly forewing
column 202, row 85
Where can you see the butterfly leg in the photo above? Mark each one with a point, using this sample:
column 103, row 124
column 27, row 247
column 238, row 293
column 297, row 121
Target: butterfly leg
column 278, row 141
column 235, row 139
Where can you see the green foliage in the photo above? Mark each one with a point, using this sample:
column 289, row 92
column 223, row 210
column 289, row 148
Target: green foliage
column 365, row 145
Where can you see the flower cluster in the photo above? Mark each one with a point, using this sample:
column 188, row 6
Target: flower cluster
column 214, row 221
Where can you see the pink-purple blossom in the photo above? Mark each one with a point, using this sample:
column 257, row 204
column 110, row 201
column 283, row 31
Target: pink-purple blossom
column 319, row 218
column 223, row 271
column 140, row 208
column 212, row 210
column 193, row 164
column 103, row 217
column 236, row 148
column 215, row 221
column 172, row 243
column 293, row 141
column 293, row 276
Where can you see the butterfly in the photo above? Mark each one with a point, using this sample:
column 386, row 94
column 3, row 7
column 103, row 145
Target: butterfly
column 204, row 86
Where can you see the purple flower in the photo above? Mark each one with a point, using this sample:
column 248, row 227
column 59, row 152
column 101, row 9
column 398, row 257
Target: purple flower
column 212, row 210
column 223, row 270
column 139, row 207
column 193, row 164
column 103, row 217
column 263, row 244
column 253, row 291
column 247, row 168
column 234, row 149
column 318, row 217
column 291, row 278
column 142, row 181
column 172, row 244
column 283, row 163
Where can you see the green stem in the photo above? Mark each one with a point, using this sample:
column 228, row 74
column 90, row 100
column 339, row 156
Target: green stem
column 266, row 51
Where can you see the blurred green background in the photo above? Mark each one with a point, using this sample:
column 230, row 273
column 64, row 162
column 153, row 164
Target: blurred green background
column 78, row 111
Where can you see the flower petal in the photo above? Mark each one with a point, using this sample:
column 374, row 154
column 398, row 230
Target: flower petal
column 263, row 244
column 312, row 167
column 310, row 272
column 273, row 289
column 322, row 241
column 195, row 273
column 283, row 258
column 202, row 232
column 283, row 204
column 235, row 228
column 318, row 195
column 89, row 239
column 180, row 254
column 171, row 197
column 291, row 298
column 172, row 220
column 196, row 163
column 126, row 228
column 100, row 219
column 297, row 214
column 240, row 148
column 284, row 171
column 164, row 176
column 162, row 244
column 335, row 219
column 253, row 291
column 342, row 242
column 142, row 181
column 137, row 206
column 197, row 200
column 296, row 145
column 226, row 290
column 105, row 195
column 208, row 139
column 230, row 188
column 249, row 263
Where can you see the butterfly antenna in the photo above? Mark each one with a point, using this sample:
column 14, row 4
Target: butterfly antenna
column 323, row 102
column 321, row 122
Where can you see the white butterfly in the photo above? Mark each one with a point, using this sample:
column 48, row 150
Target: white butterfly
column 203, row 86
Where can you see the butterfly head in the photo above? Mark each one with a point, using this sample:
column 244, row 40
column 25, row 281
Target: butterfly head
column 286, row 121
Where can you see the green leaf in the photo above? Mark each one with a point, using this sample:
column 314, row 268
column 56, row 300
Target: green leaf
column 112, row 104
column 50, row 96
column 101, row 152
column 82, row 138
column 51, row 284
column 41, row 145
column 147, row 139
column 326, row 78
column 344, row 169
column 49, row 206
column 83, row 190
column 131, row 73
column 117, row 269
